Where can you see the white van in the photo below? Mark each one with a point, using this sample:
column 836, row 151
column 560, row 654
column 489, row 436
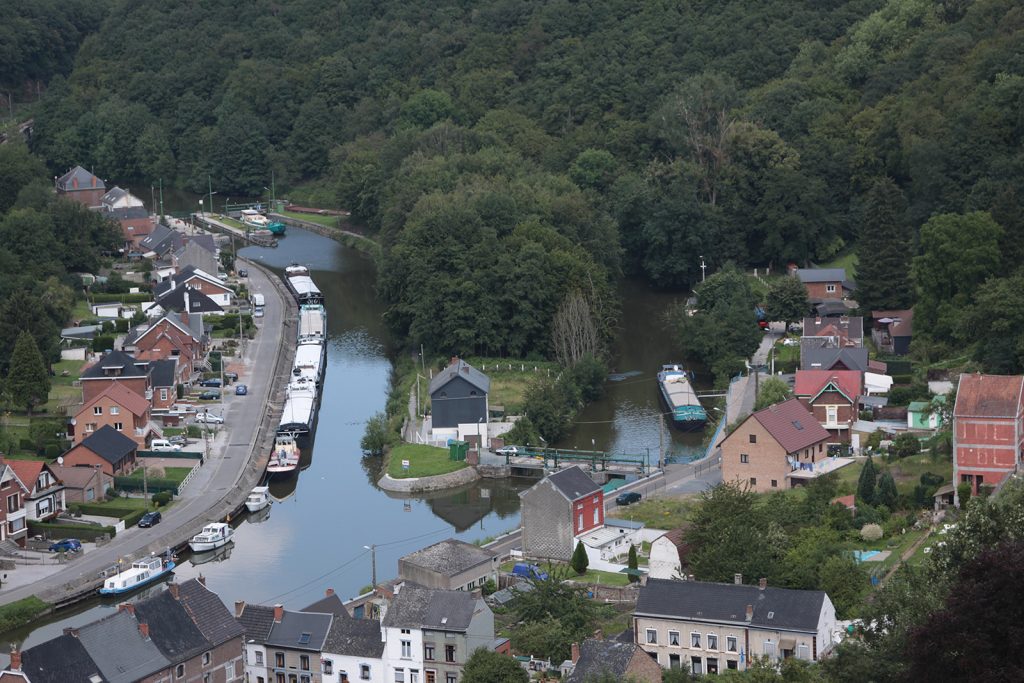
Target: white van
column 257, row 300
column 163, row 446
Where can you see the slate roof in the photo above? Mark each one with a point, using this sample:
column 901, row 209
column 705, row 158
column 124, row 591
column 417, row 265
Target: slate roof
column 329, row 604
column 174, row 300
column 831, row 308
column 205, row 241
column 114, row 194
column 449, row 557
column 162, row 240
column 162, row 372
column 127, row 213
column 602, row 657
column 210, row 615
column 903, row 321
column 60, row 660
column 355, row 638
column 821, row 274
column 774, row 608
column 573, row 482
column 791, row 425
column 826, row 359
column 849, row 327
column 296, row 627
column 123, row 396
column 256, row 620
column 119, row 650
column 464, row 370
column 114, row 359
column 85, row 181
column 988, row 395
column 109, row 444
column 810, row 383
column 183, row 276
column 170, row 627
column 439, row 610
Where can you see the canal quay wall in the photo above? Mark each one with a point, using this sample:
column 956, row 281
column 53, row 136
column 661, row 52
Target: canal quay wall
column 467, row 475
column 232, row 502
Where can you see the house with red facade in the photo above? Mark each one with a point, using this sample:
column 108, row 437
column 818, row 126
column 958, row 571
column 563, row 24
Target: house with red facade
column 44, row 498
column 83, row 187
column 105, row 449
column 988, row 429
column 13, row 514
column 115, row 367
column 558, row 509
column 833, row 397
column 824, row 283
column 177, row 336
column 119, row 408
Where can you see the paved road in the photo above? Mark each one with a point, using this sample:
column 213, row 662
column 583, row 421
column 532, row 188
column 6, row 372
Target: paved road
column 220, row 473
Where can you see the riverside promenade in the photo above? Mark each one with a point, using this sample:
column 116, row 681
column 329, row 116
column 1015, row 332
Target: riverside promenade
column 235, row 464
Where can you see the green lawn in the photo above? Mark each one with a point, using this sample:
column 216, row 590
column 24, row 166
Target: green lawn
column 424, row 461
column 326, row 221
column 906, row 472
column 177, row 474
column 125, row 503
column 511, row 378
column 656, row 513
column 846, row 260
column 563, row 571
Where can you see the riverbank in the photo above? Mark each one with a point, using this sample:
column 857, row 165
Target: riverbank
column 347, row 237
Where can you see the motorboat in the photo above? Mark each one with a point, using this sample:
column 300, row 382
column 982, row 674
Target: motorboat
column 212, row 536
column 141, row 573
column 258, row 499
column 285, row 457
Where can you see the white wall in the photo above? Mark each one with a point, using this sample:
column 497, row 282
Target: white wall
column 351, row 666
column 664, row 560
column 393, row 659
column 826, row 626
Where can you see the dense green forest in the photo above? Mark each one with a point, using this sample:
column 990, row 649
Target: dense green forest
column 512, row 156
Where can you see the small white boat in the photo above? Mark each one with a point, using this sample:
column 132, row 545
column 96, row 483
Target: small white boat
column 258, row 499
column 285, row 456
column 211, row 537
column 143, row 571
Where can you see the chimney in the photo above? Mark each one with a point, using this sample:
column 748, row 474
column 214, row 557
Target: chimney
column 329, row 592
column 575, row 652
column 750, row 612
column 737, row 579
column 15, row 659
column 173, row 589
column 239, row 608
column 126, row 607
column 188, row 307
column 762, row 583
column 201, row 579
column 70, row 631
column 144, row 630
column 454, row 360
column 278, row 613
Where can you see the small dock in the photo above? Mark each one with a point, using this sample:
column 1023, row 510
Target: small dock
column 208, row 222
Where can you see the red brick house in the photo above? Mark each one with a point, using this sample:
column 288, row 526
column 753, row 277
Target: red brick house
column 82, row 186
column 119, row 408
column 772, row 444
column 13, row 513
column 824, row 283
column 988, row 428
column 115, row 367
column 45, row 492
column 177, row 336
column 165, row 375
column 833, row 396
column 106, row 449
column 557, row 509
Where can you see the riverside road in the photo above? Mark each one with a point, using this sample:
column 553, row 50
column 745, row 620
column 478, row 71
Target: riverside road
column 234, row 449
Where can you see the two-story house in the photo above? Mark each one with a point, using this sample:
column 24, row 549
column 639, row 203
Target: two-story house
column 988, row 429
column 832, row 333
column 771, row 444
column 847, row 358
column 707, row 628
column 200, row 280
column 82, row 186
column 178, row 336
column 459, row 396
column 824, row 283
column 429, row 634
column 115, row 367
column 182, row 299
column 119, row 408
column 13, row 513
column 283, row 646
column 165, row 376
column 353, row 651
column 450, row 565
column 128, row 211
column 105, row 449
column 557, row 509
column 45, row 492
column 833, row 396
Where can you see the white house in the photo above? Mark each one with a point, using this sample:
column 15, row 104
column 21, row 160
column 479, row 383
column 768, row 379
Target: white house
column 113, row 310
column 666, row 559
column 353, row 651
column 45, row 497
column 608, row 545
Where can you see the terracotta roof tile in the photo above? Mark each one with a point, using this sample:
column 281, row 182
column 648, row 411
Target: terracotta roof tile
column 123, row 396
column 988, row 395
column 28, row 471
column 809, row 383
column 791, row 425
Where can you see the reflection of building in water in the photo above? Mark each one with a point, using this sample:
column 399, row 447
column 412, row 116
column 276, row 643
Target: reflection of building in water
column 465, row 507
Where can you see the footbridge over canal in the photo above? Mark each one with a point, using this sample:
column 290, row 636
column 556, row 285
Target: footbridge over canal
column 536, row 462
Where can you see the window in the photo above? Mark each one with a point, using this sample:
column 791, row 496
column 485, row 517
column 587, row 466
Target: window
column 406, row 649
column 119, row 426
column 328, row 666
column 596, row 516
column 775, row 483
column 12, row 503
column 414, row 676
column 16, row 526
column 753, row 438
column 97, row 410
column 364, row 672
column 769, row 649
column 712, row 665
column 673, row 661
column 206, row 678
column 114, row 410
column 753, row 481
column 259, row 658
column 652, row 636
column 206, row 658
column 712, row 641
column 279, row 660
column 581, row 521
column 731, row 664
column 305, row 678
column 304, row 662
column 163, row 394
column 90, row 427
column 450, row 678
column 595, row 500
column 406, row 631
column 831, row 289
column 695, row 665
column 694, row 639
column 673, row 638
column 730, row 643
column 803, row 652
column 428, row 653
column 449, row 653
column 832, row 414
column 304, row 638
column 179, row 670
column 744, row 458
column 280, row 678
column 399, row 675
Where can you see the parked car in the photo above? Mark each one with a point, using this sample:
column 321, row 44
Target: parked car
column 177, row 440
column 209, row 396
column 242, row 272
column 163, row 446
column 67, row 545
column 257, row 313
column 508, row 450
column 529, row 571
column 241, row 390
column 791, row 341
column 212, row 382
column 209, row 418
column 627, row 498
column 150, row 519
column 230, row 376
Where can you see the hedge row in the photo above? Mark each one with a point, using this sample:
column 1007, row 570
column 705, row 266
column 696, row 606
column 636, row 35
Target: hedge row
column 109, row 298
column 104, row 510
column 80, row 531
column 134, row 484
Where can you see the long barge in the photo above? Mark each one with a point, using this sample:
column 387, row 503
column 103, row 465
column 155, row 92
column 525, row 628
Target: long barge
column 676, row 390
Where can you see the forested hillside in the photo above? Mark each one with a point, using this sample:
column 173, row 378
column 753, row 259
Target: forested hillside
column 513, row 154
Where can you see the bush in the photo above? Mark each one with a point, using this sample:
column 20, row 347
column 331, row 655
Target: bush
column 121, row 324
column 75, row 509
column 963, row 491
column 112, row 493
column 932, row 479
column 21, row 612
column 52, row 450
column 871, row 532
column 377, row 436
column 489, row 587
column 162, row 498
column 905, row 445
column 81, row 531
column 102, row 343
column 26, row 445
column 579, row 561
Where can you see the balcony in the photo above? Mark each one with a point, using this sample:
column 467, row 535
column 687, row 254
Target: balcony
column 803, row 472
column 20, row 513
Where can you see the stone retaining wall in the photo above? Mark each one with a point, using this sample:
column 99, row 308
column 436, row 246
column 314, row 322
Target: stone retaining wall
column 466, row 475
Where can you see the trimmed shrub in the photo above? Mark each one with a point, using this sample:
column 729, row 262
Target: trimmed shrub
column 162, row 498
column 871, row 532
column 52, row 450
column 80, row 531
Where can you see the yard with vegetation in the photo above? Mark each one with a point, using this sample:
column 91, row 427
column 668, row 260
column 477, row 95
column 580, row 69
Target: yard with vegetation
column 175, row 474
column 326, row 221
column 511, row 378
column 424, row 461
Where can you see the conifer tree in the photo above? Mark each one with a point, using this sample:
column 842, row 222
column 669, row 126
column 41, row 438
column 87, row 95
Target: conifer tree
column 887, row 494
column 866, row 483
column 28, row 382
column 884, row 250
column 579, row 561
column 633, row 563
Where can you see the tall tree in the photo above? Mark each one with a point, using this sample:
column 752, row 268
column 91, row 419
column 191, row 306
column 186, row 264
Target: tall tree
column 633, row 562
column 772, row 390
column 866, row 482
column 487, row 666
column 887, row 494
column 28, row 382
column 884, row 250
column 786, row 300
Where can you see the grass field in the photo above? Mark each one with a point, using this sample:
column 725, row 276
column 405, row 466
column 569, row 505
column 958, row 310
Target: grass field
column 177, row 474
column 656, row 513
column 511, row 378
column 326, row 221
column 424, row 461
column 847, row 260
column 906, row 472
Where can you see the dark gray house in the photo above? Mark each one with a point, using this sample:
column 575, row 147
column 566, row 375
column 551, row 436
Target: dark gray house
column 450, row 565
column 834, row 359
column 458, row 395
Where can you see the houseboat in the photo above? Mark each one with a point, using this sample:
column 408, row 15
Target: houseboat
column 309, row 361
column 312, row 324
column 142, row 572
column 259, row 498
column 254, row 219
column 677, row 391
column 285, row 457
column 302, row 286
column 298, row 416
column 212, row 536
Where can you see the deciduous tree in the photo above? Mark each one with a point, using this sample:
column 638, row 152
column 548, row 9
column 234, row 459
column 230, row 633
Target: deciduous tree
column 786, row 300
column 487, row 666
column 771, row 391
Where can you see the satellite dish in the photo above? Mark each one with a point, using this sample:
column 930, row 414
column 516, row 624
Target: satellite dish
column 60, row 460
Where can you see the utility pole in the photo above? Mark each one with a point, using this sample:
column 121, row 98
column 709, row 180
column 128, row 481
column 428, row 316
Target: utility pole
column 373, row 562
column 209, row 188
column 145, row 484
column 661, row 441
column 161, row 199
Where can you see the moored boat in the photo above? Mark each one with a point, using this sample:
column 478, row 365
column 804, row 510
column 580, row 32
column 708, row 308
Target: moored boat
column 302, row 285
column 285, row 457
column 276, row 228
column 212, row 536
column 677, row 391
column 142, row 572
column 258, row 499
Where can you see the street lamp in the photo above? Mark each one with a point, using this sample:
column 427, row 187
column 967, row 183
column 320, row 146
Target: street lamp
column 703, row 269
